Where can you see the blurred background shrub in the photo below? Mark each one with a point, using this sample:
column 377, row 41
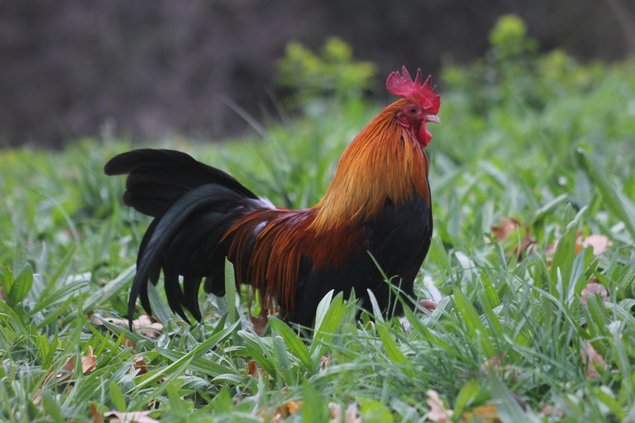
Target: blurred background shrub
column 154, row 68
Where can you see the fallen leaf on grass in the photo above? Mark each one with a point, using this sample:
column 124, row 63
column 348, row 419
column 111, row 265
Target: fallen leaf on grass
column 254, row 370
column 505, row 227
column 510, row 225
column 599, row 243
column 325, row 361
column 592, row 359
column 483, row 414
column 493, row 363
column 353, row 415
column 551, row 410
column 496, row 364
column 438, row 412
column 141, row 366
column 260, row 321
column 335, row 413
column 428, row 305
column 594, row 288
column 286, row 409
column 89, row 362
column 130, row 417
column 97, row 417
column 144, row 323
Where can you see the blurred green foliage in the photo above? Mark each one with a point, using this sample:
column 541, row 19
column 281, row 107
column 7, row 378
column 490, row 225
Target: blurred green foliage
column 539, row 102
column 332, row 73
column 514, row 70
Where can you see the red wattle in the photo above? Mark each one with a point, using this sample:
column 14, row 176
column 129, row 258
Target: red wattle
column 424, row 134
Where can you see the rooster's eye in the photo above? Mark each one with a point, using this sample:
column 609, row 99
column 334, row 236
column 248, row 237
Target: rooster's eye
column 413, row 110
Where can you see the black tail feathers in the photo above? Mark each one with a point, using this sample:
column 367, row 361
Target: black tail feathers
column 193, row 205
column 157, row 178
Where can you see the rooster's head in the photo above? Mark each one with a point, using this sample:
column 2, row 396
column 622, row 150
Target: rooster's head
column 420, row 103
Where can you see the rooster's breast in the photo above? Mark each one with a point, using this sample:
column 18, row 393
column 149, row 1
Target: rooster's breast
column 397, row 239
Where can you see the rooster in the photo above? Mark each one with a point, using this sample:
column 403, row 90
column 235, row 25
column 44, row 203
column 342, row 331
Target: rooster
column 375, row 220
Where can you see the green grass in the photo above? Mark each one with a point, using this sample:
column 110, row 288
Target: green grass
column 507, row 331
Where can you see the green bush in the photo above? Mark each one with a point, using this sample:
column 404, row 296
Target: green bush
column 332, row 73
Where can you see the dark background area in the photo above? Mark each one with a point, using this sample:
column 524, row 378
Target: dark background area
column 151, row 68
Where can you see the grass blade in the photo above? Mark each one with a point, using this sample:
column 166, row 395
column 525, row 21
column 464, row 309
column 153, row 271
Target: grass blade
column 615, row 201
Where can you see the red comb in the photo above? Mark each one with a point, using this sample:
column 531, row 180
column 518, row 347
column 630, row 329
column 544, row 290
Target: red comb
column 418, row 90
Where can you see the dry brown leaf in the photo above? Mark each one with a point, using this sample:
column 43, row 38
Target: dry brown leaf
column 594, row 288
column 253, row 369
column 428, row 305
column 97, row 417
column 509, row 225
column 599, row 243
column 335, row 413
column 294, row 406
column 148, row 327
column 438, row 412
column 129, row 343
column 277, row 418
column 493, row 363
column 140, row 365
column 130, row 417
column 260, row 321
column 505, row 227
column 89, row 361
column 551, row 250
column 592, row 359
column 325, row 361
column 286, row 409
column 353, row 415
column 552, row 410
column 483, row 414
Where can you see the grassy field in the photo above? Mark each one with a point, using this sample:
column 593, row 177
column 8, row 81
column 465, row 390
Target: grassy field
column 533, row 191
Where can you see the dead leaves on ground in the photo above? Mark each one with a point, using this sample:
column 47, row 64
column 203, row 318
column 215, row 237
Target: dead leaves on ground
column 519, row 240
column 254, row 370
column 130, row 417
column 510, row 230
column 594, row 288
column 145, row 324
column 592, row 360
column 438, row 412
column 515, row 235
column 287, row 409
column 352, row 414
column 599, row 244
column 260, row 321
column 88, row 360
column 121, row 416
column 484, row 414
column 65, row 374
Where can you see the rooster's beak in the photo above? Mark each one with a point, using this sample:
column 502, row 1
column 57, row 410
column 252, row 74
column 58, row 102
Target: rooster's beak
column 432, row 118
